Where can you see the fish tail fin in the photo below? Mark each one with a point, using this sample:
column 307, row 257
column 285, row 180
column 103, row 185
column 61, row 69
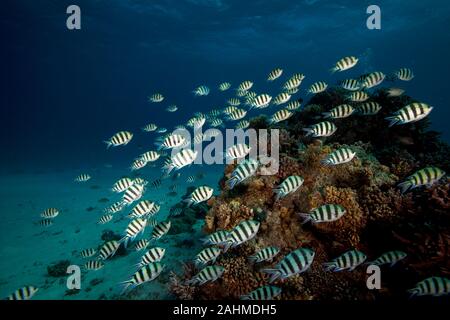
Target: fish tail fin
column 333, row 70
column 404, row 186
column 330, row 266
column 308, row 131
column 245, row 297
column 232, row 182
column 274, row 274
column 108, row 144
column 326, row 114
column 305, row 216
column 392, row 120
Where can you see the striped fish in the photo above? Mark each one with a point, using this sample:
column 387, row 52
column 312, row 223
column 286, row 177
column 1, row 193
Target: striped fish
column 281, row 98
column 229, row 110
column 293, row 105
column 214, row 113
column 152, row 255
column 140, row 181
column 25, row 293
column 339, row 112
column 317, row 87
column 190, row 179
column 321, row 129
column 224, row 86
column 156, row 97
column 274, row 74
column 423, row 177
column 133, row 194
column 50, row 213
column 207, row 255
column 243, row 124
column 198, row 138
column 134, row 228
column 281, row 115
column 197, row 121
column 390, row 257
column 292, row 91
column 237, row 114
column 122, row 184
column 404, row 74
column 180, row 160
column 217, row 238
column 234, row 102
column 160, row 230
column 289, row 185
column 350, row 84
column 266, row 254
column 368, row 108
column 261, row 101
column 347, row 261
column 345, row 64
column 172, row 108
column 152, row 222
column 296, row 262
column 243, row 171
column 121, row 138
column 358, row 96
column 173, row 141
column 245, row 85
column 207, row 274
column 373, row 79
column 199, row 195
column 94, row 265
column 138, row 164
column 243, row 232
column 150, row 127
column 411, row 113
column 263, row 293
column 433, row 286
column 105, row 219
column 156, row 183
column 141, row 244
column 108, row 250
column 339, row 156
column 201, row 91
column 238, row 151
column 211, row 133
column 83, row 177
column 115, row 207
column 144, row 208
column 216, row 122
column 149, row 156
column 292, row 83
column 87, row 253
column 325, row 213
column 145, row 274
column 45, row 222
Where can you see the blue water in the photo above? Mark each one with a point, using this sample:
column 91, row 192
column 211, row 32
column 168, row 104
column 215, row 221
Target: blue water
column 65, row 92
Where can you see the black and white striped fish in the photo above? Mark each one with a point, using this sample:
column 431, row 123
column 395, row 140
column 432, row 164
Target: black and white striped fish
column 281, row 98
column 45, row 222
column 263, row 293
column 289, row 185
column 325, row 213
column 115, row 207
column 152, row 222
column 358, row 96
column 339, row 156
column 105, row 219
column 347, row 261
column 150, row 127
column 237, row 114
column 207, row 274
column 133, row 194
column 373, row 79
column 94, row 265
column 134, row 228
column 245, row 85
column 211, row 133
column 180, row 160
column 350, row 84
column 156, row 183
column 423, row 177
column 295, row 262
column 138, row 164
column 160, row 229
column 234, row 102
column 173, row 141
column 237, row 151
column 345, row 64
column 317, row 87
column 24, row 293
column 201, row 91
column 293, row 105
column 243, row 232
column 207, row 255
column 140, row 181
column 411, row 113
column 152, row 255
column 216, row 122
column 50, row 213
column 243, row 124
column 368, row 108
column 144, row 208
column 121, row 138
column 83, row 177
column 172, row 108
column 150, row 156
column 292, row 83
column 266, row 254
column 87, row 253
column 217, row 238
column 108, row 250
column 432, row 286
column 122, row 184
column 339, row 112
column 404, row 74
column 141, row 244
column 156, row 97
column 261, row 101
column 321, row 129
column 224, row 86
column 281, row 115
column 390, row 257
column 291, row 91
column 214, row 113
column 274, row 74
column 243, row 171
column 145, row 274
column 199, row 195
column 230, row 109
column 190, row 179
